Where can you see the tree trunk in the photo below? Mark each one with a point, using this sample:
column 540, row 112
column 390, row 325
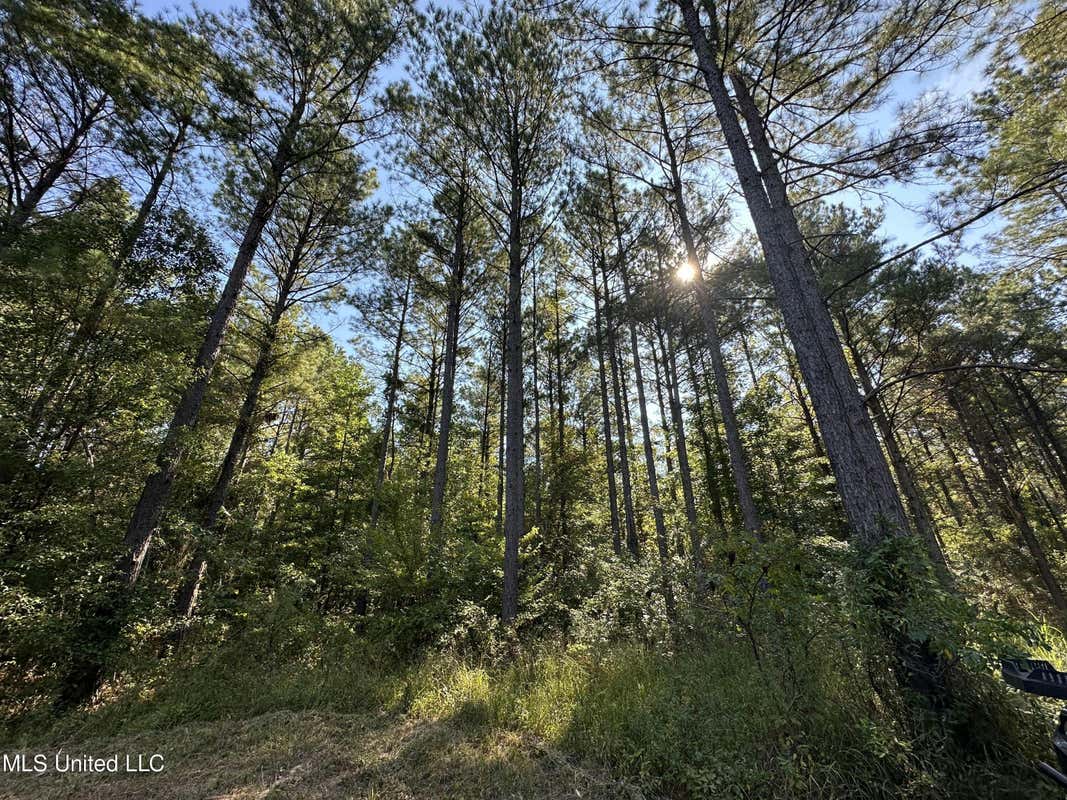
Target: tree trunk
column 995, row 471
column 390, row 406
column 863, row 479
column 27, row 205
column 920, row 512
column 711, row 478
column 455, row 306
column 433, row 383
column 535, row 342
column 1043, row 431
column 157, row 489
column 620, row 419
column 515, row 488
column 738, row 465
column 501, row 422
column 609, row 457
column 483, row 443
column 90, row 323
column 190, row 589
column 561, row 428
column 670, row 374
column 950, row 501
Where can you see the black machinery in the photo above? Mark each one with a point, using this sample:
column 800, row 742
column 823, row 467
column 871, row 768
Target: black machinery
column 1041, row 678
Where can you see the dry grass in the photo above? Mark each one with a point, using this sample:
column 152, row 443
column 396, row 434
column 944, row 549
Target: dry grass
column 314, row 755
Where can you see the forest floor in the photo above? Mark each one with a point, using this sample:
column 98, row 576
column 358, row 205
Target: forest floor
column 312, row 755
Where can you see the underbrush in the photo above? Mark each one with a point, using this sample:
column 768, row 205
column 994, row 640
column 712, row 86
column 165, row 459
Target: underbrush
column 699, row 722
column 768, row 689
column 705, row 723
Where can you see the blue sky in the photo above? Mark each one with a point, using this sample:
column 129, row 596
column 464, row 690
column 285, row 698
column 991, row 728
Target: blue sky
column 901, row 204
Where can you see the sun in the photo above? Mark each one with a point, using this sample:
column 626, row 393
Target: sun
column 687, row 271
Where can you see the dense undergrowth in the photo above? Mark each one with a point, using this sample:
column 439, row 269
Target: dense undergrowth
column 753, row 710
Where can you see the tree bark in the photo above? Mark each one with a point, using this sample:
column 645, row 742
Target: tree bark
column 995, row 471
column 738, row 466
column 515, row 451
column 27, row 205
column 455, row 306
column 390, row 406
column 1043, row 431
column 535, row 342
column 609, row 457
column 863, row 479
column 157, row 488
column 711, row 478
column 920, row 511
column 620, row 419
column 90, row 323
column 670, row 374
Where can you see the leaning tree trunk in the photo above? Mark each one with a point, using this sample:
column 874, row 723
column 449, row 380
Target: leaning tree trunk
column 189, row 591
column 995, row 471
column 864, row 482
column 920, row 511
column 1048, row 441
column 102, row 622
column 866, row 486
column 27, row 205
column 157, row 489
column 738, row 466
column 194, row 576
column 90, row 322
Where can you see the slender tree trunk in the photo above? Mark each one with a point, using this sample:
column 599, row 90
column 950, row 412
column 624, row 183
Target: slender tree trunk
column 157, row 489
column 738, row 465
column 455, row 306
column 561, row 428
column 950, row 502
column 515, row 488
column 995, row 472
column 609, row 456
column 863, row 479
column 809, row 421
column 957, row 470
column 501, row 423
column 711, row 477
column 390, row 406
column 90, row 322
column 483, row 448
column 1044, row 433
column 535, row 342
column 920, row 512
column 646, row 435
column 27, row 205
column 670, row 374
column 239, row 441
column 190, row 589
column 620, row 419
column 102, row 622
column 433, row 383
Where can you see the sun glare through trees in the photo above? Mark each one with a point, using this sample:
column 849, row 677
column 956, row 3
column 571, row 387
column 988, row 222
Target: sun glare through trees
column 504, row 399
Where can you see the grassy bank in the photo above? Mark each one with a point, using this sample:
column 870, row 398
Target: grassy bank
column 617, row 720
